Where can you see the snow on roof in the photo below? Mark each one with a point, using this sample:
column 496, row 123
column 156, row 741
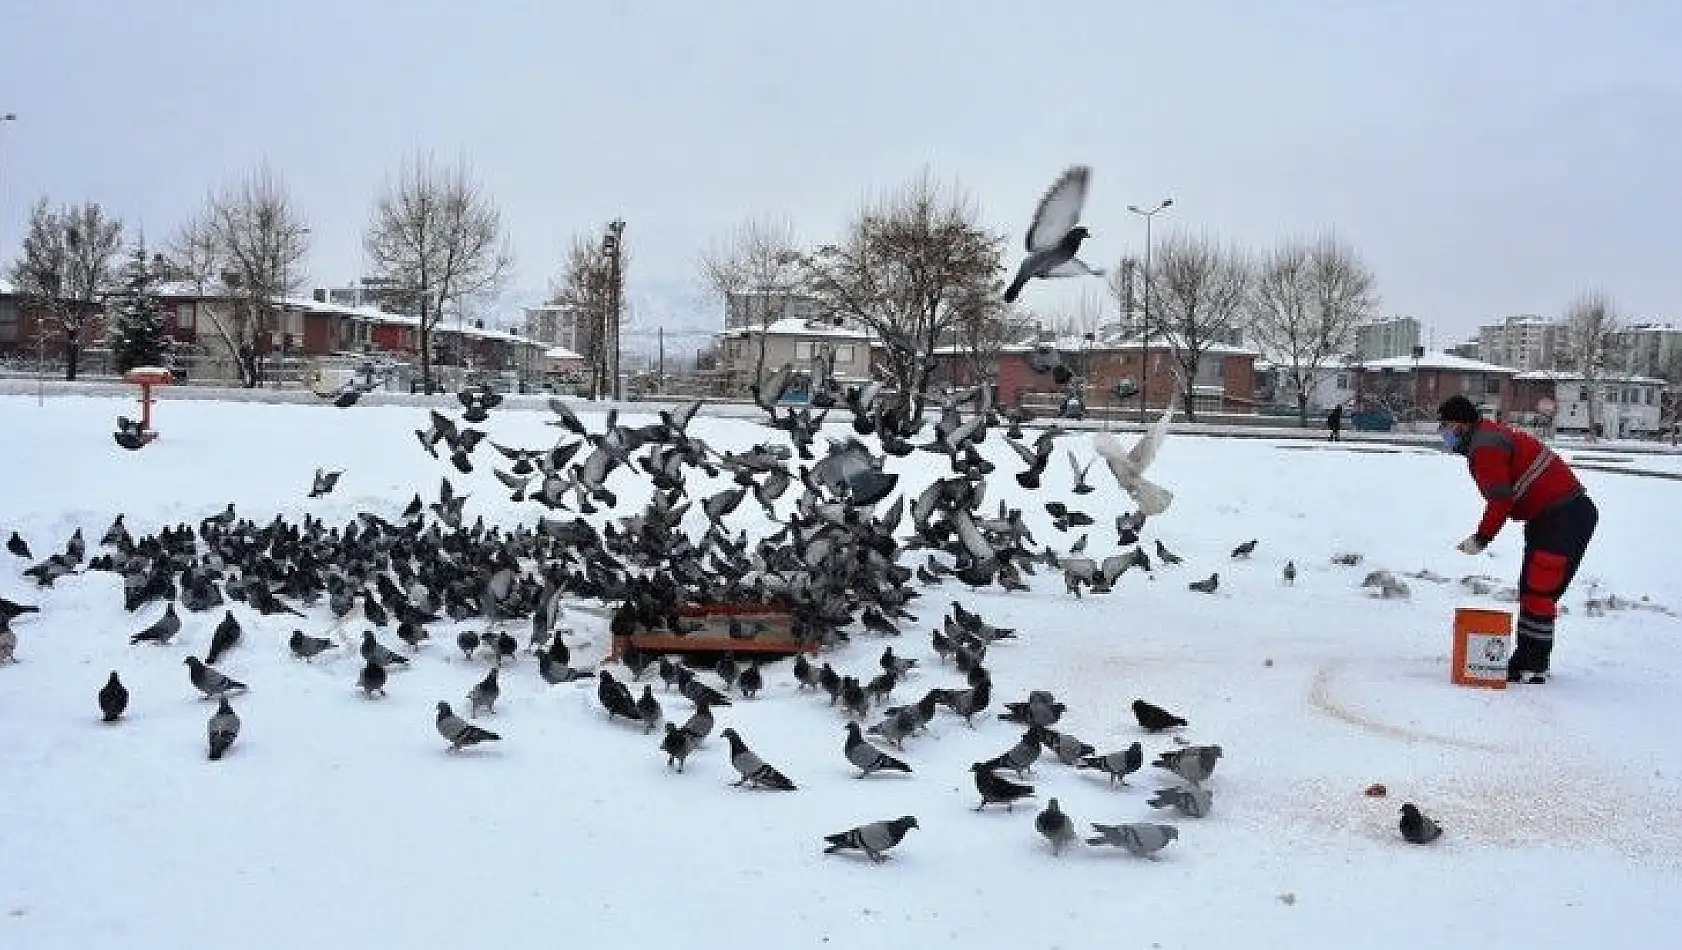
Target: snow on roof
column 1560, row 375
column 1437, row 360
column 560, row 353
column 794, row 326
column 7, row 287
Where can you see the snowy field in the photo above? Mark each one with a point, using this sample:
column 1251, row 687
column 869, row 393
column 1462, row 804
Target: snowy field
column 337, row 821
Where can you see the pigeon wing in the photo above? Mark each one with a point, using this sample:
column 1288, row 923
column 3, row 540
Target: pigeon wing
column 1059, row 210
column 1073, row 267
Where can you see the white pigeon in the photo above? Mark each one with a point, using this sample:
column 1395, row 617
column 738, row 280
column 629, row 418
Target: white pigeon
column 1128, row 466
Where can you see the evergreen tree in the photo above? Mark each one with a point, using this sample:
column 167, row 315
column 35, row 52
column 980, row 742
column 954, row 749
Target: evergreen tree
column 137, row 335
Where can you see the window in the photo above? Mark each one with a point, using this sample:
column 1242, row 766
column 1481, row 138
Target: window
column 802, row 350
column 1343, row 381
column 185, row 316
column 1491, row 385
column 843, row 354
column 1582, row 394
column 1465, row 383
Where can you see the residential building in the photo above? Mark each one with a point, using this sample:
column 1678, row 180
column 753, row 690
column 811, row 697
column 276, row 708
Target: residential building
column 801, row 343
column 758, row 308
column 1525, row 342
column 1386, row 338
column 1226, row 375
column 1625, row 406
column 1468, row 349
column 565, row 325
column 1651, row 349
column 1412, row 388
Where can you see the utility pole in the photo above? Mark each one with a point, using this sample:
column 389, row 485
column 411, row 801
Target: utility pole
column 612, row 244
column 661, row 379
column 1145, row 341
column 4, row 118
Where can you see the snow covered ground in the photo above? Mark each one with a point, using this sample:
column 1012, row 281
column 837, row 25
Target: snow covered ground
column 337, row 821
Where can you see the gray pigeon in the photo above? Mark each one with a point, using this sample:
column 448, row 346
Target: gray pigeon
column 867, row 757
column 677, row 745
column 1117, row 765
column 484, row 694
column 1193, row 802
column 1055, row 235
column 223, row 728
column 113, row 698
column 306, row 647
column 648, row 709
column 1020, row 757
column 8, row 643
column 458, row 732
column 162, row 630
column 873, row 839
column 371, row 679
column 700, row 723
column 996, row 790
column 323, row 482
column 1141, row 839
column 1068, row 749
column 754, row 771
column 210, row 681
column 1194, row 763
column 1416, row 828
column 1055, row 826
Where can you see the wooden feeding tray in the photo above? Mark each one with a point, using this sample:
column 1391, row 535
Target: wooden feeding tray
column 758, row 628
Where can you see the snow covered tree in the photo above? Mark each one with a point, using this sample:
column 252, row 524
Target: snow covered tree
column 755, row 271
column 136, row 335
column 1592, row 326
column 64, row 268
column 1304, row 305
column 1198, row 290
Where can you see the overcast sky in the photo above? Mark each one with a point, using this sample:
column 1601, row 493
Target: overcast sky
column 1486, row 158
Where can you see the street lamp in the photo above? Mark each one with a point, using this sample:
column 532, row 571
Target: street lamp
column 6, row 117
column 1145, row 341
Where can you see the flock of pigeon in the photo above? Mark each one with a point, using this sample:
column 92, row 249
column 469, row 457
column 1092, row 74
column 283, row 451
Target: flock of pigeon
column 835, row 563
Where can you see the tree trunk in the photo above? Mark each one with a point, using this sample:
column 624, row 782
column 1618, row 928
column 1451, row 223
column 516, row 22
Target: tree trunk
column 1302, row 407
column 72, row 355
column 425, row 358
column 1188, row 390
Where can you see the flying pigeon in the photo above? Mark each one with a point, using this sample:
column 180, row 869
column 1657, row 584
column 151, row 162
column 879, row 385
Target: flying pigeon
column 873, row 839
column 1154, row 718
column 1416, row 828
column 113, row 698
column 754, row 771
column 1141, row 839
column 323, row 482
column 867, row 757
column 222, row 729
column 1055, row 235
column 458, row 732
column 1129, row 465
column 1055, row 826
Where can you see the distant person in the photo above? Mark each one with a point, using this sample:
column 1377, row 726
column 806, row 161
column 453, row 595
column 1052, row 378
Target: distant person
column 1523, row 480
column 1334, row 423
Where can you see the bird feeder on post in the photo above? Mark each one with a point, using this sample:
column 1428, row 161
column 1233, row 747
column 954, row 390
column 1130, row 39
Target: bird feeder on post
column 135, row 435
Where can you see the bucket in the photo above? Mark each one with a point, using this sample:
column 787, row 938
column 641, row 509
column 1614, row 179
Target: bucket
column 1482, row 642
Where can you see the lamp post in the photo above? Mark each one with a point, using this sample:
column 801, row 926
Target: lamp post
column 4, row 118
column 1145, row 341
column 612, row 245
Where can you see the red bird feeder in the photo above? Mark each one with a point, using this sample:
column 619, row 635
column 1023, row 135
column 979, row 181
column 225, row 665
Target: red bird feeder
column 145, row 377
column 723, row 628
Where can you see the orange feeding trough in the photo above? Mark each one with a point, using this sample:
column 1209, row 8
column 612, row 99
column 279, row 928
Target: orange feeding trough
column 722, row 628
column 146, row 377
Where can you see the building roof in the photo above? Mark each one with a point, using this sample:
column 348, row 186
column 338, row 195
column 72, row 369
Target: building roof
column 7, row 287
column 561, row 353
column 793, row 326
column 1437, row 360
column 1559, row 375
column 363, row 314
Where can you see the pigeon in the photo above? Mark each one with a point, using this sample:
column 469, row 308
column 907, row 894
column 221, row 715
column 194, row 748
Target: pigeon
column 1020, row 757
column 372, row 679
column 1244, row 550
column 467, row 641
column 1041, row 709
column 895, row 665
column 1055, row 235
column 162, row 630
column 8, row 643
column 1194, row 802
column 677, row 745
column 18, row 546
column 1206, row 586
column 113, row 698
column 648, row 709
column 458, row 732
column 1416, row 828
column 1068, row 749
column 1128, row 466
column 968, row 702
column 211, row 682
column 1154, row 718
column 754, row 771
column 873, row 839
column 1289, row 574
column 412, row 633
column 1055, row 826
column 1193, row 763
column 1081, row 487
column 378, row 652
column 616, row 698
column 556, row 672
column 306, row 647
column 227, row 634
column 11, row 610
column 483, row 695
column 996, row 790
column 1141, row 839
column 805, row 674
column 323, row 482
column 867, row 757
column 1117, row 765
column 700, row 723
column 1166, row 556
column 750, row 681
column 222, row 729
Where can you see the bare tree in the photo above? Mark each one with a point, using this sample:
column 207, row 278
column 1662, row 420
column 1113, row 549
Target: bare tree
column 591, row 286
column 1198, row 291
column 1591, row 326
column 246, row 244
column 755, row 271
column 1304, row 305
column 913, row 263
column 436, row 238
column 67, row 263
